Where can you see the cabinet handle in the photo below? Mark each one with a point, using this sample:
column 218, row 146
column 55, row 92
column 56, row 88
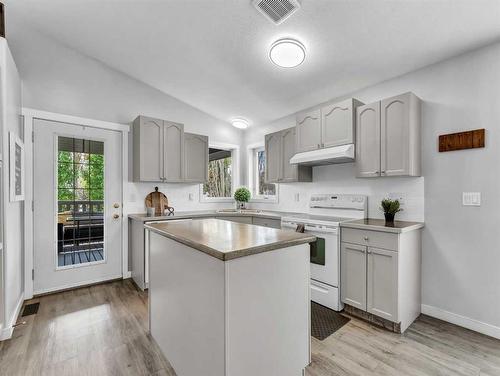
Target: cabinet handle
column 319, row 146
column 366, row 238
column 382, row 172
column 369, row 252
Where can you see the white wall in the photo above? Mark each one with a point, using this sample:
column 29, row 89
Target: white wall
column 13, row 211
column 59, row 79
column 461, row 255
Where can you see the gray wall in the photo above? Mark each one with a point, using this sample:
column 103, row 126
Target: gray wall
column 461, row 257
column 13, row 211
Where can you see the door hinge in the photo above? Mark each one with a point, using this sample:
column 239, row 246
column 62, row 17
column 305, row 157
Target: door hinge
column 32, row 274
column 32, row 136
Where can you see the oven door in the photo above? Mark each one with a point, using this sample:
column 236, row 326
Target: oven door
column 325, row 260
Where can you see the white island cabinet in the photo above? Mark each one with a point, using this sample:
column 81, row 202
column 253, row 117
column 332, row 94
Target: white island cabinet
column 230, row 298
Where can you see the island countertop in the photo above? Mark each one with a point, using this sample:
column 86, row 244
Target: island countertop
column 228, row 240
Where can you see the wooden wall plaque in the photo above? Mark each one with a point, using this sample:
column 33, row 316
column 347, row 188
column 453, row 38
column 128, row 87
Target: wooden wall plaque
column 462, row 140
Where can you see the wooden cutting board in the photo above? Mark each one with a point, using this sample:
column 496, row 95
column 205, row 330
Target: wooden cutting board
column 157, row 200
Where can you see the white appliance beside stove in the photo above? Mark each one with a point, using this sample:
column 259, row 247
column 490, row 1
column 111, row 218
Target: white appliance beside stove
column 329, row 210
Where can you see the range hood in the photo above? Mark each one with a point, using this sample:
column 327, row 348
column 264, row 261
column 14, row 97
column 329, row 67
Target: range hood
column 335, row 154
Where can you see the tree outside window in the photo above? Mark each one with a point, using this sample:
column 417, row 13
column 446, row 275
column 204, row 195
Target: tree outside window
column 220, row 174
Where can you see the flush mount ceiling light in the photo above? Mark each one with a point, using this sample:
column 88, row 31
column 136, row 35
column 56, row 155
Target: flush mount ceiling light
column 239, row 123
column 287, row 53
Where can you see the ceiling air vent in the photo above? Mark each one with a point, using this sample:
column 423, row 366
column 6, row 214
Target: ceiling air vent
column 277, row 10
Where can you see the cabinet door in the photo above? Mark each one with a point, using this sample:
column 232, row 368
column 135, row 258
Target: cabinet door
column 337, row 124
column 395, row 135
column 148, row 148
column 353, row 275
column 382, row 284
column 273, row 157
column 173, row 143
column 289, row 172
column 308, row 129
column 368, row 140
column 195, row 158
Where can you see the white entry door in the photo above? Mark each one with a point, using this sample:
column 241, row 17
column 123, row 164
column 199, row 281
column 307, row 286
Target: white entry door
column 77, row 190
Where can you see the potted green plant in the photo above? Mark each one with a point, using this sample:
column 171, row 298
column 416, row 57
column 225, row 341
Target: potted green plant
column 390, row 208
column 242, row 195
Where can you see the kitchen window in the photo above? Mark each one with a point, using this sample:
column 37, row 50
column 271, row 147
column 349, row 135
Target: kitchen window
column 262, row 191
column 221, row 172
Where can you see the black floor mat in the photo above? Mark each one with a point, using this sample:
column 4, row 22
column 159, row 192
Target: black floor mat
column 30, row 309
column 325, row 322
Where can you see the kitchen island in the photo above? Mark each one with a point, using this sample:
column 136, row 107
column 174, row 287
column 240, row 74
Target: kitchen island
column 229, row 298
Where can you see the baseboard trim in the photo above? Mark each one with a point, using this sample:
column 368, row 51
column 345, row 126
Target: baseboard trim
column 6, row 333
column 465, row 322
column 42, row 292
column 127, row 275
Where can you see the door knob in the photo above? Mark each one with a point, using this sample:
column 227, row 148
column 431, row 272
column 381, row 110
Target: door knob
column 116, row 205
column 116, row 216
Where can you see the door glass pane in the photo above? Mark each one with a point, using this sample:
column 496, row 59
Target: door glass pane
column 80, row 201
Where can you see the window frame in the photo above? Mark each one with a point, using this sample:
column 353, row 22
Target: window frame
column 253, row 176
column 235, row 159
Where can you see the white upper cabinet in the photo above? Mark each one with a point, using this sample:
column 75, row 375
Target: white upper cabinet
column 400, row 135
column 368, row 140
column 308, row 129
column 338, row 123
column 388, row 137
column 195, row 158
column 161, row 153
column 148, row 149
column 173, row 141
column 280, row 147
column 288, row 171
column 331, row 125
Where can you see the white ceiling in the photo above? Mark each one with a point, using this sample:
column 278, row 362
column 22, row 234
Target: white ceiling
column 213, row 54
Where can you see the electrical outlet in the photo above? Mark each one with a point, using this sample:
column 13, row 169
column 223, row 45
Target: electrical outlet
column 400, row 196
column 471, row 198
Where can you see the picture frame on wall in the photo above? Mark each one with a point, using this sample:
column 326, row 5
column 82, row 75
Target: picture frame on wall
column 16, row 168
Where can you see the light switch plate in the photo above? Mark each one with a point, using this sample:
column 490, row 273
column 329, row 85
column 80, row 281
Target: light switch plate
column 471, row 198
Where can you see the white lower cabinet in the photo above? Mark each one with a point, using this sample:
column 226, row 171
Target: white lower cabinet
column 382, row 283
column 353, row 275
column 382, row 280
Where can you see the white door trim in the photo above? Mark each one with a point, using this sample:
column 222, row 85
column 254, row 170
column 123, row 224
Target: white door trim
column 29, row 116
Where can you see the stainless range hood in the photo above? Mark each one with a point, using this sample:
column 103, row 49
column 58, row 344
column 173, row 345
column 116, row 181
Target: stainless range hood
column 335, row 154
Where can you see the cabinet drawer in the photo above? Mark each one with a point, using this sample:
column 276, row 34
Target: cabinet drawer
column 325, row 295
column 267, row 222
column 369, row 238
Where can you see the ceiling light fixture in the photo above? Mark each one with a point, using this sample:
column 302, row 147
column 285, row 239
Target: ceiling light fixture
column 239, row 123
column 287, row 53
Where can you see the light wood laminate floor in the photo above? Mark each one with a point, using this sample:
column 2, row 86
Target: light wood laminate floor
column 102, row 330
